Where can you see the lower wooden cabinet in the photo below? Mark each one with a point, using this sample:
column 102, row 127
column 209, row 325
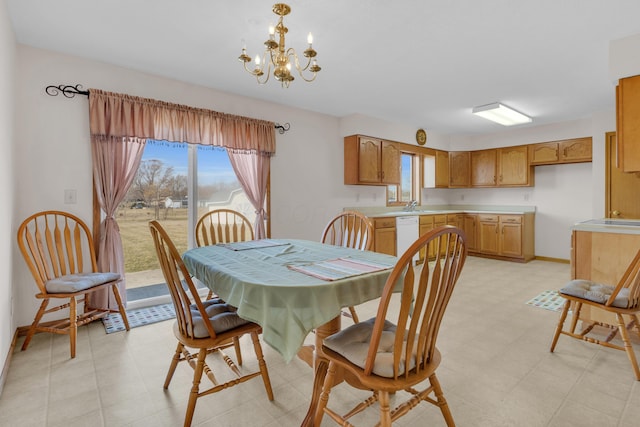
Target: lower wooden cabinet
column 501, row 236
column 505, row 236
column 384, row 235
column 470, row 227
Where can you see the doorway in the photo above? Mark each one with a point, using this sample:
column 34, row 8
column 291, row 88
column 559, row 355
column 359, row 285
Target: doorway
column 622, row 196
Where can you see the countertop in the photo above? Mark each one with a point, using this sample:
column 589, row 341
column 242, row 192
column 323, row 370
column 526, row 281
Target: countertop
column 375, row 212
column 608, row 225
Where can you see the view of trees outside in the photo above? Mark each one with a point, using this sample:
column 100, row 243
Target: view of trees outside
column 159, row 192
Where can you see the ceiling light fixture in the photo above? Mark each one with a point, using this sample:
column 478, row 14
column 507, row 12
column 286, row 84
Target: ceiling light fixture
column 502, row 114
column 276, row 55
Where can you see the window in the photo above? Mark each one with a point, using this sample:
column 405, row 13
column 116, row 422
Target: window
column 408, row 188
column 175, row 184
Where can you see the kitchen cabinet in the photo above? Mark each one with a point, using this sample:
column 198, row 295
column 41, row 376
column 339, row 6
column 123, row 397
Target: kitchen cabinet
column 513, row 167
column 384, row 235
column 371, row 161
column 470, row 224
column 501, row 167
column 573, row 150
column 425, row 225
column 483, row 168
column 603, row 257
column 628, row 123
column 488, row 234
column 505, row 236
column 442, row 169
column 455, row 220
column 459, row 164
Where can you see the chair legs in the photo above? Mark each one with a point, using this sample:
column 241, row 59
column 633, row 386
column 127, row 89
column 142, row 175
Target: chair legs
column 387, row 416
column 195, row 388
column 627, row 345
column 174, row 364
column 123, row 312
column 200, row 366
column 34, row 325
column 262, row 364
column 563, row 317
column 442, row 402
column 354, row 315
column 620, row 325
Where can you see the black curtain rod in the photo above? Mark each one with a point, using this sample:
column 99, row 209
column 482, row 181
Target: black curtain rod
column 69, row 91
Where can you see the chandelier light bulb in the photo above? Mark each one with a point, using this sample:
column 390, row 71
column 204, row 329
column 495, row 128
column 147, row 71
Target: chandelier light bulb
column 310, row 39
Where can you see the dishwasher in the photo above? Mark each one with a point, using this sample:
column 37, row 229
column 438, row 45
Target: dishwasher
column 407, row 232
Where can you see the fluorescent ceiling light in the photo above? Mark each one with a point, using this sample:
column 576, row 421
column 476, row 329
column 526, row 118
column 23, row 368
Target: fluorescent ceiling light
column 502, row 114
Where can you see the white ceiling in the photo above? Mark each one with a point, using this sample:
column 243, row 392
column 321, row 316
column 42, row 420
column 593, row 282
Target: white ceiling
column 425, row 63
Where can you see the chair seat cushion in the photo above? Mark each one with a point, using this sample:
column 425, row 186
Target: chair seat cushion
column 353, row 344
column 223, row 317
column 78, row 282
column 596, row 292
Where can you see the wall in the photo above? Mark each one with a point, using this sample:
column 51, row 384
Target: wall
column 53, row 151
column 562, row 195
column 7, row 65
column 307, row 171
column 624, row 60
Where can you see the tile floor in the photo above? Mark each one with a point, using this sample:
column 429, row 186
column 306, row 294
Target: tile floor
column 496, row 370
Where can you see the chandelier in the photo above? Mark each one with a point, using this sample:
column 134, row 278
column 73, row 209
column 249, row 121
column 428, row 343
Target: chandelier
column 278, row 57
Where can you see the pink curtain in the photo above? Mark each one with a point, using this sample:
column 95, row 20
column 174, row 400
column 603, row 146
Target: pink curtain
column 252, row 170
column 115, row 163
column 120, row 125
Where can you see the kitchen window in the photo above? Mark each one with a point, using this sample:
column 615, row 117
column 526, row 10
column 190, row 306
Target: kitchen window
column 408, row 189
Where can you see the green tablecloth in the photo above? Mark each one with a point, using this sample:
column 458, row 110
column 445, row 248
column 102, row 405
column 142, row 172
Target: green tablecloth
column 286, row 303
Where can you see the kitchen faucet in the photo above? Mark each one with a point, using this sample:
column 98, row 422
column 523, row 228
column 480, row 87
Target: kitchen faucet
column 410, row 206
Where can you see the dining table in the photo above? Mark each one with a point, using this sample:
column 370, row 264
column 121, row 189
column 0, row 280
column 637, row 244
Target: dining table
column 291, row 287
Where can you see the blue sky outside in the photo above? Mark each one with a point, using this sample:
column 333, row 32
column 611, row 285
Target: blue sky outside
column 213, row 163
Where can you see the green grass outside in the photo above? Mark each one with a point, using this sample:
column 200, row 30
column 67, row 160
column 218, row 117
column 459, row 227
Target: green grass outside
column 140, row 254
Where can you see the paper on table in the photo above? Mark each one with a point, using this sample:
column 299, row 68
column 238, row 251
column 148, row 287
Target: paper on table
column 340, row 268
column 253, row 244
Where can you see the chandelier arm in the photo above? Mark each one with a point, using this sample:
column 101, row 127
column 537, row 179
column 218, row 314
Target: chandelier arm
column 267, row 74
column 292, row 54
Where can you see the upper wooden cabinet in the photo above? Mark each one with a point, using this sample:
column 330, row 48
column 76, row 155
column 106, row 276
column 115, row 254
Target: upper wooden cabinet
column 371, row 161
column 483, row 168
column 442, row 169
column 565, row 151
column 459, row 164
column 501, row 167
column 513, row 167
column 628, row 123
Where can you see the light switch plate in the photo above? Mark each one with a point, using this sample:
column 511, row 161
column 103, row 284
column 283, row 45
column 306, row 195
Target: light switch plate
column 70, row 197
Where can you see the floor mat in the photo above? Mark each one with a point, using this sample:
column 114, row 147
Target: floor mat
column 139, row 317
column 549, row 300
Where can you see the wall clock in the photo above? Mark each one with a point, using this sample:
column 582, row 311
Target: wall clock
column 421, row 137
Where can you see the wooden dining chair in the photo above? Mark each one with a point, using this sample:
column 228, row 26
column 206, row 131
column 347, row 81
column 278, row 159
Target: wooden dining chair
column 58, row 249
column 207, row 326
column 372, row 355
column 350, row 229
column 222, row 226
column 621, row 300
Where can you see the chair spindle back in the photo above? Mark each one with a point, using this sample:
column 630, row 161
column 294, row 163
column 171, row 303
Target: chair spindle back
column 426, row 291
column 54, row 244
column 223, row 226
column 183, row 291
column 350, row 229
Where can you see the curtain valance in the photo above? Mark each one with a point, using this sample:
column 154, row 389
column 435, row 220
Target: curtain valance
column 120, row 115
